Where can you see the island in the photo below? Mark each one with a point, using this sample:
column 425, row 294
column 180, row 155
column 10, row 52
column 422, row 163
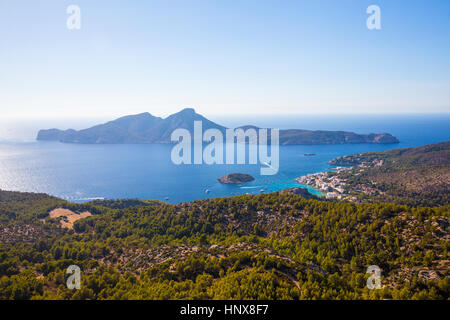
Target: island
column 146, row 128
column 236, row 178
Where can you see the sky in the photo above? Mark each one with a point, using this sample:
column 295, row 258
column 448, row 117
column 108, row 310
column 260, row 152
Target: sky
column 223, row 57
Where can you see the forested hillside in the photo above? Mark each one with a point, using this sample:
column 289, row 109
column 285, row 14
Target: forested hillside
column 271, row 246
column 414, row 176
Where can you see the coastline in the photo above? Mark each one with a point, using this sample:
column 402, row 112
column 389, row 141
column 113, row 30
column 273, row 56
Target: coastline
column 288, row 184
column 330, row 187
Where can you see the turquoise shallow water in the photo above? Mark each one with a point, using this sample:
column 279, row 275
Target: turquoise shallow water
column 286, row 184
column 83, row 172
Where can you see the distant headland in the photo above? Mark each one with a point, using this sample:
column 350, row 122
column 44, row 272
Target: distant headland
column 146, row 128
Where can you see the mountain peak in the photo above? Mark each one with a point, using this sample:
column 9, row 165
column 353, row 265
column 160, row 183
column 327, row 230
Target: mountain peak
column 187, row 111
column 186, row 114
column 143, row 115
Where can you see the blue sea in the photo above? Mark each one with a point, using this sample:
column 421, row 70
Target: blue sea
column 83, row 172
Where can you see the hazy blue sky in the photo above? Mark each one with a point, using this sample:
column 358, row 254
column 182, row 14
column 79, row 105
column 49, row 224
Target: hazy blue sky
column 223, row 57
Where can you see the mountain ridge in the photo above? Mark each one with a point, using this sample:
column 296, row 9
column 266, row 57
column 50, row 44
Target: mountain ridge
column 146, row 128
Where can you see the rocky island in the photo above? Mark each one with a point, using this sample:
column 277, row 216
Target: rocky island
column 236, row 178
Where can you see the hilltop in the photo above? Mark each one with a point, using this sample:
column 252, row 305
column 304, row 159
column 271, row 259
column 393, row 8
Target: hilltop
column 146, row 128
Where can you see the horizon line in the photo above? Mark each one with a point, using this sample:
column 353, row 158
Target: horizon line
column 117, row 115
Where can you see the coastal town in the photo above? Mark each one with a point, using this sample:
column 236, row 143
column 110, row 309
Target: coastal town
column 334, row 184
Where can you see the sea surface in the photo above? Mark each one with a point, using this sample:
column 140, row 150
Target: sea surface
column 84, row 172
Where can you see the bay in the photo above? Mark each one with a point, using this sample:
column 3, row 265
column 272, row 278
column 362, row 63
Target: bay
column 82, row 172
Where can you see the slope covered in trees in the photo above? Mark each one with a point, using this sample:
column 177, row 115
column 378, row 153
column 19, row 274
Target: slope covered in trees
column 413, row 176
column 271, row 246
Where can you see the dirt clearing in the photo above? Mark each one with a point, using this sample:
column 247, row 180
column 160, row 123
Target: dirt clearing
column 69, row 216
